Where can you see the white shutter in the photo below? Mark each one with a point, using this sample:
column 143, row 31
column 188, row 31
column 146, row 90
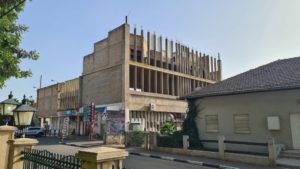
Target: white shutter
column 212, row 123
column 241, row 123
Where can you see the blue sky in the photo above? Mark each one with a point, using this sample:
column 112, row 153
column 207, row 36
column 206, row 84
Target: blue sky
column 247, row 33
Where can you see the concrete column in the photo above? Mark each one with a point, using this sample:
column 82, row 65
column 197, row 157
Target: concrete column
column 154, row 46
column 142, row 45
column 6, row 133
column 167, row 53
column 215, row 70
column 101, row 158
column 155, row 81
column 272, row 152
column 15, row 149
column 185, row 141
column 135, row 44
column 162, row 83
column 149, row 80
column 173, row 85
column 161, row 54
column 221, row 146
column 143, row 79
column 219, row 68
column 127, row 119
column 153, row 141
column 148, row 48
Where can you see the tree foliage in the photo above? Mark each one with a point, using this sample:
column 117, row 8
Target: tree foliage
column 11, row 54
column 167, row 129
column 189, row 126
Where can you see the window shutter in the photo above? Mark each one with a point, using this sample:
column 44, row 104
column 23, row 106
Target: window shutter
column 241, row 123
column 212, row 123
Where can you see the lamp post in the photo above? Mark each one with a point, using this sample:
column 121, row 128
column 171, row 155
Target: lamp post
column 23, row 114
column 6, row 108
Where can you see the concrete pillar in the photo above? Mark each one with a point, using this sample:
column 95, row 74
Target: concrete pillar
column 185, row 141
column 6, row 133
column 149, row 80
column 167, row 53
column 160, row 51
column 142, row 46
column 127, row 119
column 148, row 48
column 15, row 149
column 135, row 44
column 101, row 158
column 221, row 146
column 154, row 46
column 153, row 140
column 219, row 63
column 272, row 152
column 143, row 79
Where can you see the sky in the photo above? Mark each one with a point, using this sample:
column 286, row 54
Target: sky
column 246, row 33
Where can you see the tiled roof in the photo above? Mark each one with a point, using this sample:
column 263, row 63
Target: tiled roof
column 277, row 75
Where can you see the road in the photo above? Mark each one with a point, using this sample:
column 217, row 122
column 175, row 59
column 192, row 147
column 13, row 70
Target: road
column 140, row 162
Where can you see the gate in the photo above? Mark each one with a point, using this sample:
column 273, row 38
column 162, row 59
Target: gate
column 43, row 159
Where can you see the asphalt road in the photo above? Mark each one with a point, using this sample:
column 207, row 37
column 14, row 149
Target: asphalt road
column 132, row 162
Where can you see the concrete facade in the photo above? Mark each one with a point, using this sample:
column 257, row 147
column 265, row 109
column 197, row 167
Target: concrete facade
column 59, row 101
column 259, row 106
column 137, row 72
column 136, row 81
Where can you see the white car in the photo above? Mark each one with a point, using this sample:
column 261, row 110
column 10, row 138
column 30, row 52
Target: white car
column 32, row 131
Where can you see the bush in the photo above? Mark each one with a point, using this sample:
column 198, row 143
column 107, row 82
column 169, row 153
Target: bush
column 167, row 129
column 136, row 138
column 172, row 141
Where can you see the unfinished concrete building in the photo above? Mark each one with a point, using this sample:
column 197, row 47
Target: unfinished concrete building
column 136, row 79
column 58, row 101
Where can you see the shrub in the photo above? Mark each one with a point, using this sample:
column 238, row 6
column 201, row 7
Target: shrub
column 136, row 138
column 167, row 129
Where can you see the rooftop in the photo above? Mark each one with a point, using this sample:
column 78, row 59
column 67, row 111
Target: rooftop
column 278, row 75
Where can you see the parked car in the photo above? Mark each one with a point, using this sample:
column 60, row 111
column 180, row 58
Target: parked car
column 31, row 131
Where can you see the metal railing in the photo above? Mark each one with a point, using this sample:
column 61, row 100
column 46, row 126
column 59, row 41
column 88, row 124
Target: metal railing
column 43, row 159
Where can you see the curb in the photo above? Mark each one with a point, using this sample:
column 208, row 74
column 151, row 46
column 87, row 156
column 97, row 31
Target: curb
column 183, row 161
column 74, row 145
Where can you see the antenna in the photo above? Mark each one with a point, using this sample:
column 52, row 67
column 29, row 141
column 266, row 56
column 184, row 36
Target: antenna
column 126, row 17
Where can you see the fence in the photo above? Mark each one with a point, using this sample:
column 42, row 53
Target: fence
column 42, row 159
column 238, row 151
column 169, row 141
column 260, row 148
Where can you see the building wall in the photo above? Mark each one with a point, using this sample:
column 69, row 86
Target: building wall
column 102, row 70
column 259, row 106
column 69, row 95
column 47, row 101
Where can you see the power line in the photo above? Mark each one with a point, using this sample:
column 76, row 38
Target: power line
column 14, row 7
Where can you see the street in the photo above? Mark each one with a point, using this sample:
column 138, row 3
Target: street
column 139, row 162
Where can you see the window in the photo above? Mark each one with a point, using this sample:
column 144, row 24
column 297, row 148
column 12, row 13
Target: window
column 212, row 123
column 241, row 123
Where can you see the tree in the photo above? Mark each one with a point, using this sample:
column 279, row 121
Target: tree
column 167, row 129
column 189, row 126
column 11, row 55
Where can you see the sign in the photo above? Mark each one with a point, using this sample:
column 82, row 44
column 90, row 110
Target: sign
column 65, row 127
column 86, row 113
column 92, row 116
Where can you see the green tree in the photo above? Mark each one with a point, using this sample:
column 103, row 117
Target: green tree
column 189, row 126
column 11, row 54
column 167, row 129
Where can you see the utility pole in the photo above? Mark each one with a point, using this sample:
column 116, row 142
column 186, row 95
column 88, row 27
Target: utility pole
column 41, row 77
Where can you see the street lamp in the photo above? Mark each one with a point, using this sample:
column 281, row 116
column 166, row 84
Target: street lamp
column 7, row 106
column 23, row 114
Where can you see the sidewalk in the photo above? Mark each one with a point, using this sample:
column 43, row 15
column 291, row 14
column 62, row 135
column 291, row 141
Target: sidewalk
column 193, row 160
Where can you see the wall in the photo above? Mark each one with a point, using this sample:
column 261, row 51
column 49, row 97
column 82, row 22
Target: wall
column 47, row 101
column 259, row 106
column 69, row 94
column 102, row 70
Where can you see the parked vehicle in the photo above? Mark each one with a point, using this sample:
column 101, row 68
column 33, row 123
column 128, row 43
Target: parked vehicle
column 31, row 131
